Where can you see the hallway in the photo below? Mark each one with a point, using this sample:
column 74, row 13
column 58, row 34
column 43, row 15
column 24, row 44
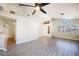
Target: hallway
column 45, row 46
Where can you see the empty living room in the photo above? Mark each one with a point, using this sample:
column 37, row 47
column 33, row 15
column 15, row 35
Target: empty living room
column 39, row 29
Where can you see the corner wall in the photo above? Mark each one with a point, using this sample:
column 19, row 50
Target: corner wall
column 27, row 29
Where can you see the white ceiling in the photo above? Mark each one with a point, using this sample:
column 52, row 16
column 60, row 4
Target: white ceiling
column 70, row 10
column 19, row 10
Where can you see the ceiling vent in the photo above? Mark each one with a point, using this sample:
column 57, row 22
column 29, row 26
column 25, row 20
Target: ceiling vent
column 12, row 12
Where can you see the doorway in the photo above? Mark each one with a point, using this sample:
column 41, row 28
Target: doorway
column 9, row 29
column 47, row 28
column 12, row 33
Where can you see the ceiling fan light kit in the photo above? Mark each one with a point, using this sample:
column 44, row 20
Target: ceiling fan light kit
column 38, row 7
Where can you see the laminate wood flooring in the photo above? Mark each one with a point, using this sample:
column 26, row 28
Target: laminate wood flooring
column 44, row 46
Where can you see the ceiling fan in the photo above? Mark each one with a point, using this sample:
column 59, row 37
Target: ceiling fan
column 38, row 6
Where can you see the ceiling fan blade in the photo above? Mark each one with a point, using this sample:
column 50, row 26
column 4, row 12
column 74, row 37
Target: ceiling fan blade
column 33, row 12
column 42, row 10
column 44, row 4
column 26, row 5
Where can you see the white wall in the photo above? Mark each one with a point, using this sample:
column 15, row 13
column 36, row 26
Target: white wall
column 27, row 29
column 11, row 27
column 1, row 22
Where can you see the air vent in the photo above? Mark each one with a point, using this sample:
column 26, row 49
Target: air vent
column 1, row 9
column 61, row 13
column 12, row 12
